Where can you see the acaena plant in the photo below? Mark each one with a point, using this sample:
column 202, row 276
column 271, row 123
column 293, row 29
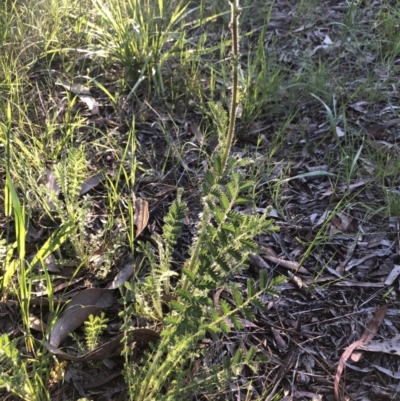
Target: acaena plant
column 220, row 249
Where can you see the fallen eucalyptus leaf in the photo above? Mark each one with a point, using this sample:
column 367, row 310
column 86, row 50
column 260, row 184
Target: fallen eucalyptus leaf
column 83, row 304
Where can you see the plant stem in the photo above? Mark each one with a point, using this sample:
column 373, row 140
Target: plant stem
column 234, row 25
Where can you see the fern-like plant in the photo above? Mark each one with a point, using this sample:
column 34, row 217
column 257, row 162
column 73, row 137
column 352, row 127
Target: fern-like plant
column 94, row 327
column 220, row 249
column 70, row 175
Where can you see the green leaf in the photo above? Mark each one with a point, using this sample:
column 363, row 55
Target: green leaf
column 225, row 307
column 250, row 288
column 250, row 354
column 236, row 322
column 210, row 178
column 262, row 283
column 237, row 358
column 223, row 264
column 54, row 242
column 224, row 327
column 190, row 275
column 259, row 305
column 246, row 185
column 237, row 297
column 224, row 202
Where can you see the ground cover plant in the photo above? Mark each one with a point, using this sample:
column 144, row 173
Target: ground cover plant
column 199, row 200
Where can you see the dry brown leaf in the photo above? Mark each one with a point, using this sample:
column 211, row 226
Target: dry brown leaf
column 393, row 275
column 107, row 350
column 287, row 363
column 280, row 342
column 121, row 277
column 141, row 215
column 377, row 130
column 286, row 263
column 311, row 396
column 194, row 128
column 51, row 186
column 36, row 324
column 391, row 347
column 76, row 89
column 91, row 183
column 367, row 336
column 57, row 287
column 91, row 103
column 341, row 221
column 83, row 93
column 343, row 188
column 83, row 304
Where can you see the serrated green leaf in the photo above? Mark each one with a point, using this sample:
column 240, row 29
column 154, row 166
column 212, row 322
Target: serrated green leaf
column 237, row 297
column 262, row 282
column 246, row 185
column 236, row 322
column 237, row 358
column 223, row 264
column 218, row 214
column 250, row 354
column 223, row 240
column 224, row 327
column 224, row 202
column 225, row 307
column 177, row 306
column 190, row 275
column 184, row 294
column 210, row 178
column 258, row 304
column 214, row 315
column 243, row 201
column 173, row 320
column 249, row 244
column 250, row 288
column 232, row 190
column 248, row 314
column 235, row 254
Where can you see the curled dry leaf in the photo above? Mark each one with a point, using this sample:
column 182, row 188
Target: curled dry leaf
column 393, row 275
column 286, row 263
column 36, row 324
column 53, row 187
column 83, row 93
column 83, row 304
column 101, row 381
column 91, row 183
column 367, row 336
column 91, row 103
column 194, row 127
column 141, row 215
column 121, row 277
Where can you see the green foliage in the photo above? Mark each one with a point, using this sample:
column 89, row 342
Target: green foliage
column 221, row 246
column 219, row 118
column 25, row 378
column 135, row 33
column 70, row 175
column 140, row 36
column 94, row 328
column 225, row 238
